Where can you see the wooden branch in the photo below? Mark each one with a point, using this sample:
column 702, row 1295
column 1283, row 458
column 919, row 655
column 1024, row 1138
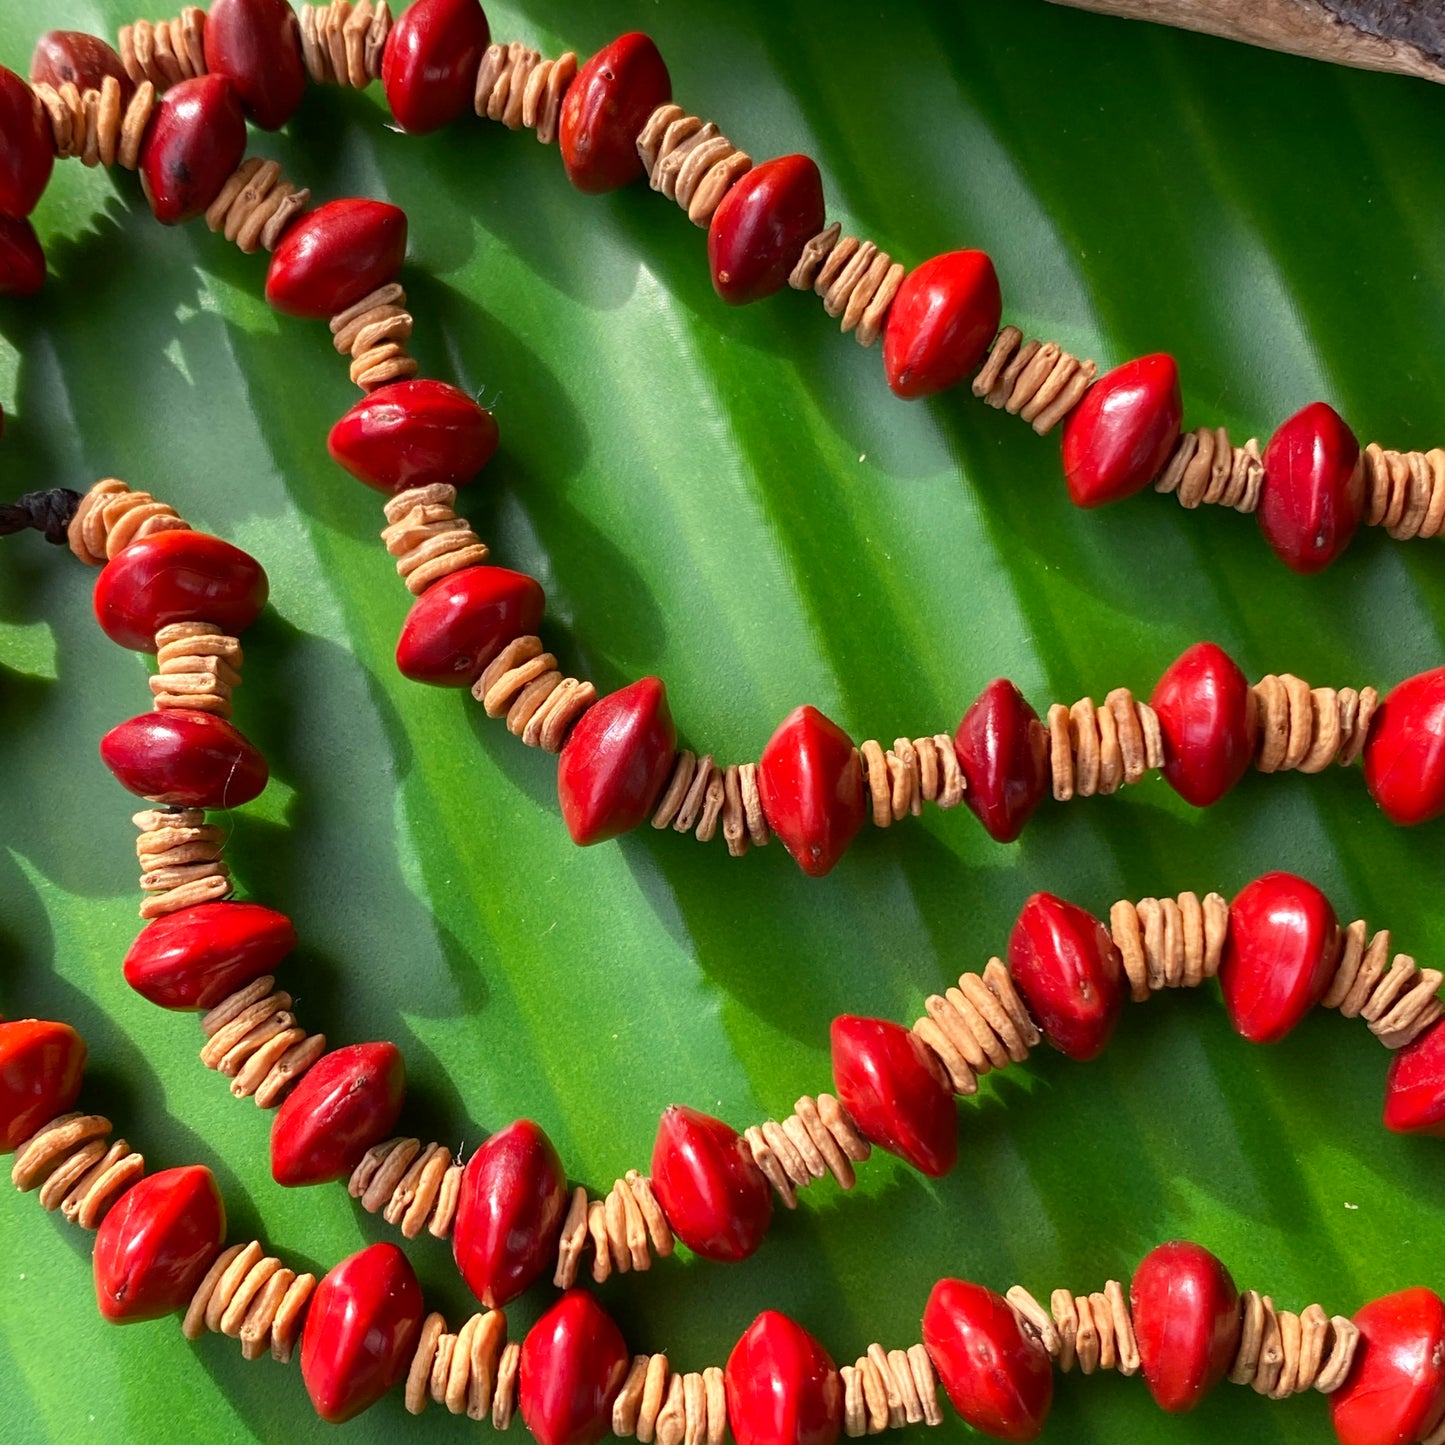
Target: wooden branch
column 1407, row 36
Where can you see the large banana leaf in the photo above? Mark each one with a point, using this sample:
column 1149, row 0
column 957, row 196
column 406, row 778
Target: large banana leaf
column 733, row 500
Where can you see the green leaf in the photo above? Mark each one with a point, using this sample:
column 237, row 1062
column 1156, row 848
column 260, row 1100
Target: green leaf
column 733, row 500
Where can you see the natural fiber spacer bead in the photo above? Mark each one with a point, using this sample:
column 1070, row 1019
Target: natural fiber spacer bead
column 431, row 60
column 1003, row 750
column 414, row 434
column 810, row 782
column 334, row 256
column 1186, row 1321
column 1119, row 437
column 940, row 324
column 184, row 759
column 1208, row 719
column 27, row 154
column 1396, row 1391
column 459, row 624
column 22, row 260
column 195, row 140
column 572, row 1367
column 1405, row 750
column 605, row 110
column 256, row 44
column 1314, row 489
column 42, row 1065
column 782, row 1386
column 760, row 228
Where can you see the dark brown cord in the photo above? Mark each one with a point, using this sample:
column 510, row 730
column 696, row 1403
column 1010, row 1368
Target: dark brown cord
column 48, row 512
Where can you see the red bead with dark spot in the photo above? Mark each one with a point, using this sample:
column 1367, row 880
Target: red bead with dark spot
column 429, row 67
column 42, row 1065
column 462, row 621
column 362, row 1328
column 22, row 260
column 605, row 109
column 1069, row 972
column 892, row 1084
column 413, row 434
column 1118, row 438
column 335, row 255
column 509, row 1213
column 347, row 1101
column 1314, row 488
column 759, row 230
column 716, row 1199
column 811, row 786
column 177, row 577
column 195, row 957
column 1207, row 716
column 1395, row 1394
column 27, row 147
column 940, row 324
column 782, row 1386
column 1415, row 1086
column 1187, row 1323
column 71, row 57
column 194, row 142
column 573, row 1363
column 156, row 1244
column 1282, row 951
column 1405, row 750
column 184, row 759
column 1003, row 750
column 998, row 1376
column 256, row 44
column 615, row 762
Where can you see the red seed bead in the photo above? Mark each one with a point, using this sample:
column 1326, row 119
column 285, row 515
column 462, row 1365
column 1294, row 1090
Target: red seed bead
column 27, row 148
column 1405, row 750
column 573, row 1363
column 41, row 1068
column 759, row 230
column 811, row 785
column 184, row 759
column 71, row 57
column 716, row 1199
column 256, row 44
column 605, row 109
column 1003, row 750
column 1207, row 715
column 509, row 1213
column 347, row 1101
column 194, row 142
column 460, row 623
column 892, row 1084
column 941, row 322
column 782, row 1386
column 1314, row 488
column 1070, row 974
column 193, row 958
column 361, row 1332
column 1117, row 440
column 1281, row 953
column 1187, row 1323
column 998, row 1376
column 335, row 255
column 615, row 762
column 22, row 260
column 177, row 577
column 1415, row 1086
column 429, row 68
column 414, row 434
column 156, row 1244
column 1395, row 1394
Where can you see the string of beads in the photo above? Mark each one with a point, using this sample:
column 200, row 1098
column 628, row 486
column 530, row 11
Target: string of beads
column 165, row 52
column 690, row 161
column 1037, row 380
column 473, row 1372
column 519, row 88
column 74, row 1168
column 253, row 1039
column 412, row 1186
column 251, row 1296
column 342, row 43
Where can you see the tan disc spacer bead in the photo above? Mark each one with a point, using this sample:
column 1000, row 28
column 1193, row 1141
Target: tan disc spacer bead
column 624, row 1230
column 519, row 88
column 343, row 44
column 253, row 1039
column 1206, row 469
column 856, row 280
column 1306, row 729
column 690, row 161
column 977, row 1027
column 1398, row 999
column 1098, row 750
column 1169, row 942
column 818, row 1139
column 111, row 516
column 1037, row 380
column 167, row 51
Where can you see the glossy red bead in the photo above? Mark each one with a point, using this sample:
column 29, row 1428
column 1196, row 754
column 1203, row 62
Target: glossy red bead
column 573, row 1363
column 1187, row 1323
column 177, row 577
column 811, row 785
column 1395, row 1395
column 27, row 148
column 615, row 762
column 892, row 1084
column 195, row 957
column 1118, row 438
column 156, row 1244
column 347, row 1101
column 941, row 322
column 335, row 255
column 759, row 230
column 256, row 44
column 196, row 139
column 605, row 109
column 1207, row 715
column 509, row 1213
column 22, row 260
column 362, row 1328
column 998, row 1376
column 414, row 434
column 71, row 57
column 1281, row 953
column 782, row 1386
column 1314, row 488
column 1003, row 750
column 1405, row 750
column 184, row 759
column 1415, row 1086
column 42, row 1065
column 715, row 1197
column 1065, row 964
column 460, row 623
column 429, row 67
